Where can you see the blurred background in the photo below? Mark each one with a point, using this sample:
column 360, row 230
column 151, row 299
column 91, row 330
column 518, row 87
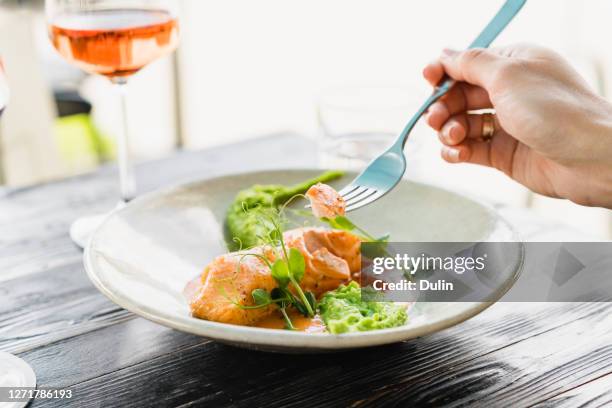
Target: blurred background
column 250, row 68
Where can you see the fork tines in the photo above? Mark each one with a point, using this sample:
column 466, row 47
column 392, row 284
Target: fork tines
column 356, row 196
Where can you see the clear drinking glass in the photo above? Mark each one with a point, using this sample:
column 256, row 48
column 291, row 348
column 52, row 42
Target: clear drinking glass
column 116, row 39
column 356, row 124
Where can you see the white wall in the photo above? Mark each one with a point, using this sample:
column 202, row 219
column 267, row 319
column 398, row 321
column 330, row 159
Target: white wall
column 255, row 66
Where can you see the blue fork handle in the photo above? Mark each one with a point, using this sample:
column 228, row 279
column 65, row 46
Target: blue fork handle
column 501, row 20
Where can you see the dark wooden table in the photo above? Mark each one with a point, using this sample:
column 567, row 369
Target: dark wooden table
column 52, row 316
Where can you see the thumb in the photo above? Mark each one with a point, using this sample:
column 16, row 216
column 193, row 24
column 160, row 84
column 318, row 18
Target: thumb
column 476, row 66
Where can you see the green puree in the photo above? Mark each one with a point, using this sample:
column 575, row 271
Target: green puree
column 343, row 311
column 244, row 226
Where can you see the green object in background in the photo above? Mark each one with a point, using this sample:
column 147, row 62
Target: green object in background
column 79, row 142
column 343, row 311
column 244, row 221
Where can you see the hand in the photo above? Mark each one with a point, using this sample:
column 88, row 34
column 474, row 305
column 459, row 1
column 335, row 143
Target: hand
column 553, row 134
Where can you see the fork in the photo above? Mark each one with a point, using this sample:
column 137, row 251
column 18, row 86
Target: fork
column 385, row 172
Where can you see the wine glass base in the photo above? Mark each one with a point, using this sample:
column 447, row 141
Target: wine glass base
column 83, row 228
column 15, row 374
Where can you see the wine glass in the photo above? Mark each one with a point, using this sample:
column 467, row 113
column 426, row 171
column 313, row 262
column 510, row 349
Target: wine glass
column 116, row 39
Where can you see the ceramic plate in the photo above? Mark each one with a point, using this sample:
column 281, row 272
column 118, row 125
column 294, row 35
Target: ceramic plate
column 144, row 254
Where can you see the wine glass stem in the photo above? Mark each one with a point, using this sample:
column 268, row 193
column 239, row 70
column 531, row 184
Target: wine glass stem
column 127, row 181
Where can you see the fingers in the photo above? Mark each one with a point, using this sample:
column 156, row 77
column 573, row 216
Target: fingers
column 474, row 70
column 460, row 132
column 461, row 98
column 462, row 126
column 497, row 153
column 476, row 66
column 434, row 72
column 470, row 151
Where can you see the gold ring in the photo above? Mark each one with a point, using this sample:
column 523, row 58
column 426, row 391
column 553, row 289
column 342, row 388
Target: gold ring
column 488, row 126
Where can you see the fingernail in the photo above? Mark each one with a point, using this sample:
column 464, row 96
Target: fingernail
column 452, row 133
column 448, row 134
column 448, row 53
column 435, row 107
column 453, row 154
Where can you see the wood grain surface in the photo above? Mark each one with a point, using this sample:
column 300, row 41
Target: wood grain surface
column 512, row 355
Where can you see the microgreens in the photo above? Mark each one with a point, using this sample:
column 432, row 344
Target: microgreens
column 287, row 270
column 287, row 265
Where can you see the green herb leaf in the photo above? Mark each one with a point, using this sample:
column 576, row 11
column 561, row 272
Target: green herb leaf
column 277, row 294
column 311, row 299
column 384, row 238
column 297, row 264
column 288, row 323
column 261, row 297
column 340, row 222
column 301, row 308
column 344, row 223
column 280, row 273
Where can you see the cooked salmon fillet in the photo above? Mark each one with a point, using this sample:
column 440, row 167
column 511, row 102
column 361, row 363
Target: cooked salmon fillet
column 332, row 258
column 228, row 280
column 325, row 201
